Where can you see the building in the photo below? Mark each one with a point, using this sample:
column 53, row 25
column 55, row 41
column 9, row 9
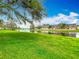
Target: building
column 54, row 27
column 59, row 27
column 72, row 27
column 77, row 26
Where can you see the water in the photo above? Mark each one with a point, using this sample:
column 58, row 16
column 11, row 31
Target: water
column 71, row 34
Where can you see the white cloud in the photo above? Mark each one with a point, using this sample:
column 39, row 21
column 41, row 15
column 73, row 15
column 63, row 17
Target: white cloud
column 74, row 14
column 69, row 19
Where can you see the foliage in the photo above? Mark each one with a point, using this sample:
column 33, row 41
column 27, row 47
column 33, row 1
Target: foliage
column 10, row 25
column 62, row 25
column 34, row 8
column 1, row 23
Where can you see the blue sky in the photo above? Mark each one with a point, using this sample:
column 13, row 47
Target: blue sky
column 61, row 6
column 66, row 11
column 61, row 11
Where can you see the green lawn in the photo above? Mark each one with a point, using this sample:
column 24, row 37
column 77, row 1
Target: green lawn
column 18, row 45
column 65, row 30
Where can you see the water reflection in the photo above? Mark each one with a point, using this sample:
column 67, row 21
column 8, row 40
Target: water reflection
column 71, row 34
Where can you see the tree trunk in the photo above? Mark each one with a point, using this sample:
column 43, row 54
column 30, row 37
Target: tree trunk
column 32, row 27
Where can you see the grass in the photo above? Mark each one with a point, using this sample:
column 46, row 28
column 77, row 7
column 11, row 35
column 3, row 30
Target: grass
column 19, row 45
column 65, row 30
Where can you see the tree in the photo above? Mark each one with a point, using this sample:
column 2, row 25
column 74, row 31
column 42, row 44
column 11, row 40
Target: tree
column 34, row 7
column 1, row 24
column 62, row 25
column 10, row 24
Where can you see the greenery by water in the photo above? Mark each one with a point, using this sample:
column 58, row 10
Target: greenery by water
column 20, row 45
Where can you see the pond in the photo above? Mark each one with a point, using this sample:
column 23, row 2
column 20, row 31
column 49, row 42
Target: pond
column 71, row 34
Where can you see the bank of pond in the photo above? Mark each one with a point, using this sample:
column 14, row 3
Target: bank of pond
column 70, row 34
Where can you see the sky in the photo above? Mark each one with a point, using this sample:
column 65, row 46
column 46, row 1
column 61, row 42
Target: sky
column 60, row 11
column 61, row 6
column 66, row 11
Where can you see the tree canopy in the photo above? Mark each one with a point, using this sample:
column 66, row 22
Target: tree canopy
column 10, row 8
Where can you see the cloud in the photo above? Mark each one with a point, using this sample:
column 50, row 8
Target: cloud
column 73, row 14
column 62, row 18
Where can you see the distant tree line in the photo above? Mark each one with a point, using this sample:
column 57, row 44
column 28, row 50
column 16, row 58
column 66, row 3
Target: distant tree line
column 9, row 25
